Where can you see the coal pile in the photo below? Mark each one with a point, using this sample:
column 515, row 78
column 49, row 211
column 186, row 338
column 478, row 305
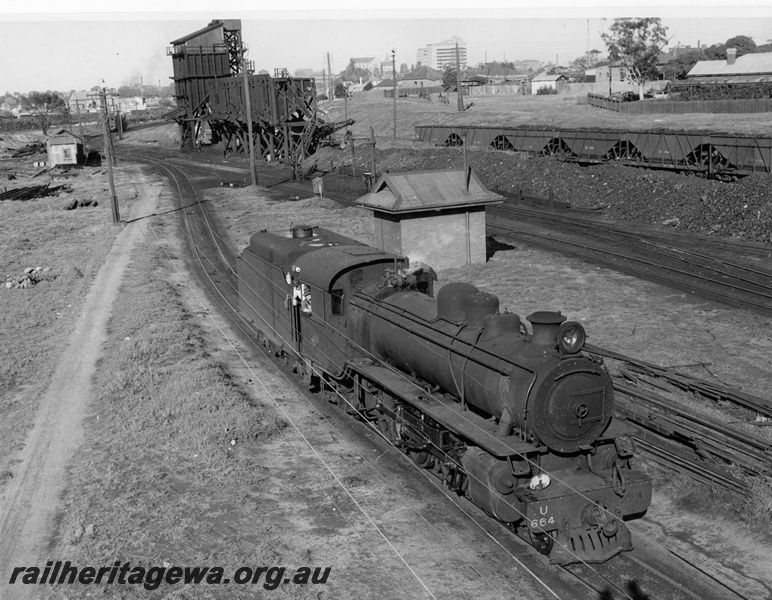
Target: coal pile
column 740, row 209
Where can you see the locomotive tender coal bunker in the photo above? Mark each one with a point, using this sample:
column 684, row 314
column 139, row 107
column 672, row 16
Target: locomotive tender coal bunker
column 520, row 423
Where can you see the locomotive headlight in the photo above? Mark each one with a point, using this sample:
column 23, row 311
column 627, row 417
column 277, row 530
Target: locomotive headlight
column 571, row 337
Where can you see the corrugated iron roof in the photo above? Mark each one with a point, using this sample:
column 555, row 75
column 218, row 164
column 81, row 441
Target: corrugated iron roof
column 549, row 77
column 426, row 190
column 748, row 64
column 718, row 80
column 423, row 72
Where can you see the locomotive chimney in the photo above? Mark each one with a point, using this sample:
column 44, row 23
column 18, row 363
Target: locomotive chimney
column 731, row 55
column 302, row 231
column 545, row 327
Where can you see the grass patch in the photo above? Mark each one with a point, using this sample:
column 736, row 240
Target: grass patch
column 70, row 246
column 167, row 474
column 561, row 111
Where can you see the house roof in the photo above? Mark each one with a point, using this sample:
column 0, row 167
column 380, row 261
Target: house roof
column 426, row 190
column 424, row 72
column 759, row 63
column 718, row 80
column 365, row 59
column 549, row 77
column 497, row 70
column 64, row 136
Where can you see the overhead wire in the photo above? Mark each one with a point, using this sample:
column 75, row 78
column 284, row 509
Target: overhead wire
column 557, row 478
column 534, row 464
column 307, row 442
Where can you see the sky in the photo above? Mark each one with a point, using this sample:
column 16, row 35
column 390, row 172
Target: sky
column 43, row 48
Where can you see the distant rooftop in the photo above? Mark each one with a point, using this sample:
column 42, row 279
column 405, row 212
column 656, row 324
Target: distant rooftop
column 759, row 63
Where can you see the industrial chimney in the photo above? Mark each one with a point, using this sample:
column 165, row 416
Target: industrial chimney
column 731, row 54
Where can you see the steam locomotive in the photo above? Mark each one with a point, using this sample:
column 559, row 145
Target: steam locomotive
column 519, row 422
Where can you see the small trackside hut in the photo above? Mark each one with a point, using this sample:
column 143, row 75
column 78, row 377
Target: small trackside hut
column 432, row 217
column 65, row 148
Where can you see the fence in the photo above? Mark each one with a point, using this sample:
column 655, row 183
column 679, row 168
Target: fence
column 757, row 105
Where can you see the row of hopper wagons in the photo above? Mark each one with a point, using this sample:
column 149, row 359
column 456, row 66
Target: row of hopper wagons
column 714, row 155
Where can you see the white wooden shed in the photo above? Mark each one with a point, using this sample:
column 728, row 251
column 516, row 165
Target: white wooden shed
column 65, row 148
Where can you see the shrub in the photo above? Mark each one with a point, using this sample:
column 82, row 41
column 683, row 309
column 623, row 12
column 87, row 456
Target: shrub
column 546, row 90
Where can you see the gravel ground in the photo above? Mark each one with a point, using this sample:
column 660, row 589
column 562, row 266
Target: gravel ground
column 740, row 209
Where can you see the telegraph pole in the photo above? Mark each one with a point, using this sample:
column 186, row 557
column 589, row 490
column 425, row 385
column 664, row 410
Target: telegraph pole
column 332, row 84
column 118, row 120
column 80, row 121
column 460, row 99
column 109, row 154
column 394, row 77
column 248, row 106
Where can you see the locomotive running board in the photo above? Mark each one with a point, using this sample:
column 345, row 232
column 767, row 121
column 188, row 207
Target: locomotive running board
column 446, row 412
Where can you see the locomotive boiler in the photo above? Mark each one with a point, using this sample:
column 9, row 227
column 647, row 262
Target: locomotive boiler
column 517, row 419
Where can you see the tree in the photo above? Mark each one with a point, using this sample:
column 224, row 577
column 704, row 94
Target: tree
column 341, row 91
column 130, row 91
column 678, row 67
column 354, row 74
column 635, row 44
column 43, row 105
column 742, row 43
column 449, row 80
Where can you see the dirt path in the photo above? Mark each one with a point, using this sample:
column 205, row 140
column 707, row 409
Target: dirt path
column 30, row 502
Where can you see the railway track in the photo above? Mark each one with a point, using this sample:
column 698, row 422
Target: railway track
column 215, row 261
column 685, row 264
column 674, row 436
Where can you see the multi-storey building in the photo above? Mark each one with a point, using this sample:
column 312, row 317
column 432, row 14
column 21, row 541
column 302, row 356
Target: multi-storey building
column 443, row 54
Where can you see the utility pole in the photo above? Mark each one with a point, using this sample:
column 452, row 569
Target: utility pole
column 331, row 95
column 118, row 120
column 80, row 121
column 459, row 98
column 69, row 111
column 109, row 154
column 394, row 78
column 248, row 106
column 588, row 45
column 372, row 155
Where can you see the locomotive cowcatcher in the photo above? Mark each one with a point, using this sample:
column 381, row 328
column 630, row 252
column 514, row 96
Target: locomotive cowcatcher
column 519, row 422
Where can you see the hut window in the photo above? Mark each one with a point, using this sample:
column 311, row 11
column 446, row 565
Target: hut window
column 338, row 303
